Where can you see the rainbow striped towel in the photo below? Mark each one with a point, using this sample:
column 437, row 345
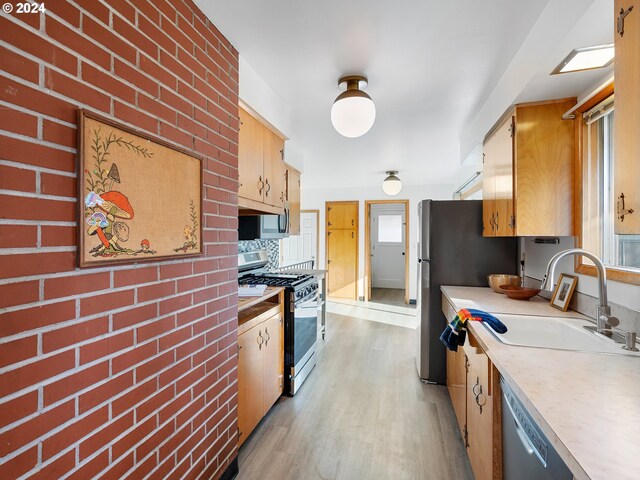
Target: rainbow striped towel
column 456, row 332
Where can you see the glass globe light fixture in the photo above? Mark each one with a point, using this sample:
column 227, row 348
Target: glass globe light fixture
column 353, row 111
column 392, row 184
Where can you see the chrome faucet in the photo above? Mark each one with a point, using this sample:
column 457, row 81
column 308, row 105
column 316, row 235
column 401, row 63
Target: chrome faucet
column 604, row 318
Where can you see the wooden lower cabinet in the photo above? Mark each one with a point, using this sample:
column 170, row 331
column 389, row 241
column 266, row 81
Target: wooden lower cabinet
column 457, row 385
column 260, row 369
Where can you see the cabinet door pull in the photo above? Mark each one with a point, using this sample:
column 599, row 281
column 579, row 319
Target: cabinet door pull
column 266, row 332
column 621, row 210
column 621, row 17
column 260, row 185
column 260, row 340
column 268, row 185
column 497, row 218
column 475, row 386
column 484, row 400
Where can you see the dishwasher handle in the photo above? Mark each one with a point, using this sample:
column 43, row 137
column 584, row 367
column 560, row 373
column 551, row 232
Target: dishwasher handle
column 524, row 438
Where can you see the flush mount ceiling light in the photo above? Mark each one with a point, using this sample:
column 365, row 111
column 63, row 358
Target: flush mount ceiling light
column 392, row 184
column 587, row 58
column 353, row 112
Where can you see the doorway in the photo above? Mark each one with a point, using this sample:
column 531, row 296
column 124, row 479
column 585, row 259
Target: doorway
column 342, row 249
column 386, row 251
column 301, row 248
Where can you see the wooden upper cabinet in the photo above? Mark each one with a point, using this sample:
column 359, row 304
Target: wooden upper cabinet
column 293, row 198
column 261, row 169
column 528, row 164
column 250, row 158
column 342, row 216
column 627, row 117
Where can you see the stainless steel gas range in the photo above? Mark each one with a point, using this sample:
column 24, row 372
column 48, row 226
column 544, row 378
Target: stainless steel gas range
column 301, row 314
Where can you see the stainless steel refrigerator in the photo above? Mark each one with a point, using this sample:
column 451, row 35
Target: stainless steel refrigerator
column 452, row 251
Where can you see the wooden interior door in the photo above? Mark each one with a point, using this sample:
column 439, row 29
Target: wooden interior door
column 503, row 174
column 342, row 215
column 274, row 169
column 627, row 121
column 342, row 255
column 250, row 158
column 250, row 381
column 479, row 418
column 273, row 360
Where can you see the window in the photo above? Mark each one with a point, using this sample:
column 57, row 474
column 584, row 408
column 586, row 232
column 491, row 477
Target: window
column 390, row 228
column 598, row 200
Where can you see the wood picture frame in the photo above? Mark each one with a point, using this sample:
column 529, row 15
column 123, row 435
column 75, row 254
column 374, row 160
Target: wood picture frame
column 140, row 197
column 564, row 291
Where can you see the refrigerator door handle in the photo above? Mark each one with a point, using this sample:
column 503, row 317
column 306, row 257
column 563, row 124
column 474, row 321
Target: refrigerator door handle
column 426, row 260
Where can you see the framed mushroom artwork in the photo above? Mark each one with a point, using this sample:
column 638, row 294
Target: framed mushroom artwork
column 141, row 198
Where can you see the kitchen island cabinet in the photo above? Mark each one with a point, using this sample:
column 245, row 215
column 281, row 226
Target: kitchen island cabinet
column 260, row 357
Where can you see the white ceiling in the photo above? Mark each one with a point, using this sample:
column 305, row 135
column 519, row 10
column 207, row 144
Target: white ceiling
column 433, row 68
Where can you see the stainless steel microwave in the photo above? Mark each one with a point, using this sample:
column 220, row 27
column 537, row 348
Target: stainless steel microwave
column 254, row 227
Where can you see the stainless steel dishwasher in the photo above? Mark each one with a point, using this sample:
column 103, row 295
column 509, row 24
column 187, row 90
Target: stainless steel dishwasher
column 526, row 452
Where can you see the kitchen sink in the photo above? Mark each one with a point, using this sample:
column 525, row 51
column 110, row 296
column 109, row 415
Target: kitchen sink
column 555, row 332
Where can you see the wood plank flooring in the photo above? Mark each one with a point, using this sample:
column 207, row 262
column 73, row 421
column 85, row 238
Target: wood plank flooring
column 389, row 296
column 361, row 415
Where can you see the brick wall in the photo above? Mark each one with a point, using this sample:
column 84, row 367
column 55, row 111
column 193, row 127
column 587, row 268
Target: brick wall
column 120, row 372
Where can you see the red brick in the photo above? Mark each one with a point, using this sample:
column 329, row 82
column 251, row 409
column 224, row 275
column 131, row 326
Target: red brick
column 143, row 468
column 159, row 290
column 169, row 62
column 57, row 468
column 133, row 397
column 105, row 36
column 137, row 275
column 35, row 44
column 66, row 11
column 18, row 236
column 172, row 339
column 100, row 394
column 106, row 81
column 154, row 402
column 178, row 136
column 150, row 28
column 188, row 59
column 152, row 442
column 76, row 284
column 155, row 328
column 177, row 303
column 190, row 93
column 17, row 178
column 101, row 12
column 195, row 129
column 105, row 302
column 59, row 185
column 76, row 90
column 156, row 108
column 152, row 68
column 23, row 208
column 117, row 470
column 18, row 350
column 191, row 315
column 169, row 376
column 21, row 464
column 171, row 446
column 175, row 270
column 18, row 408
column 79, row 43
column 133, row 76
column 91, row 468
column 35, row 263
column 18, row 65
column 136, row 117
column 170, row 28
column 176, row 101
column 38, row 316
column 38, row 101
column 189, row 348
column 21, row 435
column 106, row 346
column 58, row 133
column 133, row 357
column 21, row 123
column 53, row 236
column 71, row 385
column 36, row 372
column 105, row 436
column 12, row 294
column 153, row 366
column 74, row 432
column 134, row 37
column 136, row 315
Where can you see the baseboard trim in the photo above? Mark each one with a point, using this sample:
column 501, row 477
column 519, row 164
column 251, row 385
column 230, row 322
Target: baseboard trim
column 412, row 301
column 361, row 299
column 232, row 470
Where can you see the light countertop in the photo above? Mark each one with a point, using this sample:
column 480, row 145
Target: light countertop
column 587, row 404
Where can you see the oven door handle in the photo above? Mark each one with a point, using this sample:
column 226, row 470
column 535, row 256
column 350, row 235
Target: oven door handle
column 306, row 303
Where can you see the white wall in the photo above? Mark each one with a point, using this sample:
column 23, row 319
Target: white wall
column 315, row 198
column 538, row 255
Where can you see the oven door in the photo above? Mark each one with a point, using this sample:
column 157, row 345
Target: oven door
column 302, row 340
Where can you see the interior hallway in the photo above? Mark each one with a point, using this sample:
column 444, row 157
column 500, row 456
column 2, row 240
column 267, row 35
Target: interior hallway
column 362, row 414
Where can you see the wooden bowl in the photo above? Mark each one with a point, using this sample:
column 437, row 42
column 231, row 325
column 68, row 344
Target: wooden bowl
column 519, row 293
column 497, row 279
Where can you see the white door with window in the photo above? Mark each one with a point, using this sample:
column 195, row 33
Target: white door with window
column 388, row 246
column 300, row 248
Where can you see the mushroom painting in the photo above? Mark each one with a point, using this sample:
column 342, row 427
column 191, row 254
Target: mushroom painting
column 138, row 197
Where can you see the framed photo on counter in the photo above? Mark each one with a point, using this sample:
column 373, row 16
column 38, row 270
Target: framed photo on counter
column 564, row 291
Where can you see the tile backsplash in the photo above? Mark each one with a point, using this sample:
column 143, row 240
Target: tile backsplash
column 271, row 246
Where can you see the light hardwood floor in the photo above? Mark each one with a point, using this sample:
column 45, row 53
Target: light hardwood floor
column 361, row 415
column 389, row 296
